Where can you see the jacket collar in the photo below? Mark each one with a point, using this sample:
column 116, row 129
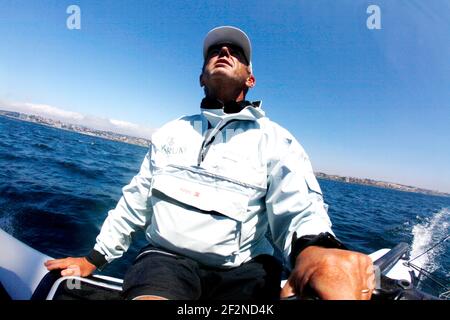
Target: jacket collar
column 215, row 110
column 229, row 107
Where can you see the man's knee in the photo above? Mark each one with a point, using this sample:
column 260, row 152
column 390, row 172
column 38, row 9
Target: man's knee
column 149, row 297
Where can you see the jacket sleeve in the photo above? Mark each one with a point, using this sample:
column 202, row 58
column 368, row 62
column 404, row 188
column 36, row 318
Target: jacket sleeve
column 294, row 199
column 132, row 212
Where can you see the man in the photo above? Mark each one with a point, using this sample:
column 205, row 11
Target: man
column 210, row 188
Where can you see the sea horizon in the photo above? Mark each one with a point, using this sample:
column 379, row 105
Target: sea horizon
column 115, row 136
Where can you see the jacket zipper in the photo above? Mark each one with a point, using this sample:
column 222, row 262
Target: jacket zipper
column 210, row 139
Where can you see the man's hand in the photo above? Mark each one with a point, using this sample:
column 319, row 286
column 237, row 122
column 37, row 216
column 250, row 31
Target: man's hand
column 71, row 266
column 333, row 274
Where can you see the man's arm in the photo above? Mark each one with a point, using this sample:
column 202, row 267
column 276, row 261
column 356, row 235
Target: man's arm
column 295, row 206
column 294, row 199
column 132, row 212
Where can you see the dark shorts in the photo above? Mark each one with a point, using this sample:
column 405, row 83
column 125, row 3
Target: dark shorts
column 162, row 273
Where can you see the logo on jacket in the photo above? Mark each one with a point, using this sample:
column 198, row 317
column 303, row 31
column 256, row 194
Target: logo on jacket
column 171, row 148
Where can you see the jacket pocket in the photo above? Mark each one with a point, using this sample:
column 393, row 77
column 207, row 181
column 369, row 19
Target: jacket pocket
column 198, row 212
column 205, row 191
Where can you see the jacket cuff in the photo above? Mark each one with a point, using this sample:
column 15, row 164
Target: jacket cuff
column 324, row 240
column 97, row 259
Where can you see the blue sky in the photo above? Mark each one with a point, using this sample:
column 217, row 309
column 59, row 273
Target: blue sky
column 364, row 103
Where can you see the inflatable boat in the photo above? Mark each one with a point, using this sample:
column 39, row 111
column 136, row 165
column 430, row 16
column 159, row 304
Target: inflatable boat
column 24, row 277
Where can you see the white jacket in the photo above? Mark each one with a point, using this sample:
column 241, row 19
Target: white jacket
column 211, row 185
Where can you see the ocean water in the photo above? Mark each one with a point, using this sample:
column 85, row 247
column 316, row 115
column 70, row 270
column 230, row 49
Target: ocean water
column 56, row 188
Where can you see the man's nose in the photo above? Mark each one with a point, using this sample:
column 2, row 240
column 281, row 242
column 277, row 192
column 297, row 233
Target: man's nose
column 224, row 51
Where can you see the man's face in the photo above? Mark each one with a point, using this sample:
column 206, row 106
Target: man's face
column 225, row 62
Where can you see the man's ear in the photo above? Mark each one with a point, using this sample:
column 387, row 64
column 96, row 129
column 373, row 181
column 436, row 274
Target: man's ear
column 202, row 83
column 251, row 81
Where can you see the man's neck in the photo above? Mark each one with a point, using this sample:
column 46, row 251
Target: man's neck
column 225, row 96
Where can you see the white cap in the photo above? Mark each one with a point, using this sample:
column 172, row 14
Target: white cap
column 231, row 35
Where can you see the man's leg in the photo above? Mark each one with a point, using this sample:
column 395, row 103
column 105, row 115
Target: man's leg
column 160, row 275
column 258, row 279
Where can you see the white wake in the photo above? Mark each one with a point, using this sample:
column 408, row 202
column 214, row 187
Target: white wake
column 426, row 234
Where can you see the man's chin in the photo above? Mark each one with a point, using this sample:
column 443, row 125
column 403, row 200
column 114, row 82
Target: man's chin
column 220, row 75
column 220, row 70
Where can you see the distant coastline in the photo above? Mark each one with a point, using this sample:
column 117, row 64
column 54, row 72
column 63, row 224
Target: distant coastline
column 76, row 128
column 145, row 143
column 381, row 184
